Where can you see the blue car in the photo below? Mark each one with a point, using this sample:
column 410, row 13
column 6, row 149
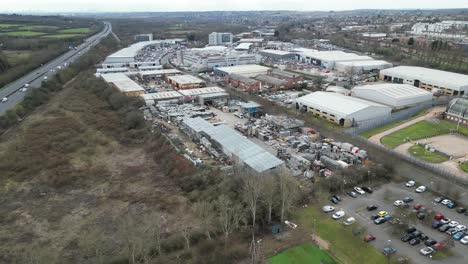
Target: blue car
column 388, row 217
column 459, row 235
column 451, row 205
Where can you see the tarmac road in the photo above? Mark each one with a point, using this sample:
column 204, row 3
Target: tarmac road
column 35, row 78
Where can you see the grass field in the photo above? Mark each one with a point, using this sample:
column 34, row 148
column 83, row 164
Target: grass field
column 344, row 246
column 432, row 157
column 22, row 34
column 16, row 57
column 74, row 31
column 61, row 36
column 37, row 28
column 423, row 129
column 378, row 130
column 464, row 166
column 8, row 25
column 303, row 254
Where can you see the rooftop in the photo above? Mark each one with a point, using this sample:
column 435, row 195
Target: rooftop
column 271, row 80
column 161, row 95
column 251, row 40
column 127, row 86
column 112, row 77
column 199, row 91
column 397, row 91
column 244, row 46
column 440, row 78
column 276, row 52
column 159, row 72
column 250, row 104
column 244, row 69
column 132, row 50
column 366, row 63
column 185, row 79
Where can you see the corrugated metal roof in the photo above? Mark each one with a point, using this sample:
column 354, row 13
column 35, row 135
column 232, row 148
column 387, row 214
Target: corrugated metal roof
column 397, row 91
column 244, row 69
column 199, row 91
column 185, row 79
column 159, row 72
column 271, row 80
column 161, row 95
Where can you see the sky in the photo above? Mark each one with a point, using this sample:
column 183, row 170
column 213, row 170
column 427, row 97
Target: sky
column 217, row 5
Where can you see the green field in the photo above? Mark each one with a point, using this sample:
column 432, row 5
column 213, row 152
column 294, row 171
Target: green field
column 303, row 254
column 378, row 130
column 344, row 246
column 37, row 28
column 418, row 151
column 62, row 36
column 16, row 57
column 75, row 31
column 8, row 25
column 22, row 34
column 420, row 130
column 464, row 166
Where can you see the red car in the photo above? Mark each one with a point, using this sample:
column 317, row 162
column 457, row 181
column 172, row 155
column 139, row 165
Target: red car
column 439, row 246
column 369, row 238
column 418, row 206
column 439, row 217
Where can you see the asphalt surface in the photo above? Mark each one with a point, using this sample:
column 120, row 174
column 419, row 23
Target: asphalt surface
column 356, row 207
column 35, row 78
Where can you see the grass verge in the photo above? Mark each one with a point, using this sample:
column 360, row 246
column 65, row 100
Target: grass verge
column 306, row 253
column 381, row 129
column 464, row 166
column 420, row 152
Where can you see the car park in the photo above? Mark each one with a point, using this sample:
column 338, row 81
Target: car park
column 367, row 189
column 421, row 189
column 426, row 251
column 410, row 183
column 359, row 190
column 328, row 208
column 352, row 194
column 338, row 215
column 398, row 203
column 369, row 238
column 371, row 207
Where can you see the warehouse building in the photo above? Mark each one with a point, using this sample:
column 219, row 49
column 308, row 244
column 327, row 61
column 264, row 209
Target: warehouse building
column 185, row 81
column 343, row 110
column 272, row 82
column 147, row 75
column 277, row 55
column 123, row 83
column 226, row 141
column 244, row 83
column 243, row 47
column 395, row 95
column 285, row 75
column 328, row 59
column 127, row 55
column 206, row 96
column 154, row 98
column 244, row 70
column 362, row 66
column 214, row 56
column 429, row 79
column 457, row 111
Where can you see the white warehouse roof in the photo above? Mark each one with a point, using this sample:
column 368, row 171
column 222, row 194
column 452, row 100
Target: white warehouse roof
column 132, row 50
column 122, row 82
column 345, row 107
column 161, row 96
column 185, row 79
column 276, row 52
column 159, row 72
column 199, row 91
column 451, row 80
column 244, row 46
column 112, row 77
column 365, row 65
column 395, row 95
column 245, row 70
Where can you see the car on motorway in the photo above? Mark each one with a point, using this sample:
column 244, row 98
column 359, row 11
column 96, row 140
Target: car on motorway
column 328, row 208
column 359, row 190
column 45, row 78
column 24, row 89
column 426, row 251
column 372, row 207
column 369, row 238
column 464, row 240
column 382, row 213
column 421, row 189
column 4, row 99
column 338, row 215
column 459, row 235
column 429, row 242
column 398, row 203
column 461, row 210
column 414, row 241
column 367, row 189
column 352, row 194
column 410, row 183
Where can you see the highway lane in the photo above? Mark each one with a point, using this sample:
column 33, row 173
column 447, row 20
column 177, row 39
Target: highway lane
column 35, row 78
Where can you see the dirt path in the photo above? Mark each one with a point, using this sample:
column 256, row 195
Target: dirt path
column 432, row 112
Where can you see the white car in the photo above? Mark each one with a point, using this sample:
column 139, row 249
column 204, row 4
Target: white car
column 446, row 221
column 328, row 208
column 4, row 99
column 461, row 227
column 410, row 183
column 453, row 224
column 426, row 251
column 349, row 221
column 45, row 77
column 446, row 201
column 421, row 189
column 24, row 89
column 398, row 203
column 338, row 215
column 464, row 240
column 359, row 190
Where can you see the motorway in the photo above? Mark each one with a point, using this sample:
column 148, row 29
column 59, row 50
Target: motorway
column 35, row 78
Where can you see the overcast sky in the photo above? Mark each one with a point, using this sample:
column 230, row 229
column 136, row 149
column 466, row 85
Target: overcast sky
column 208, row 5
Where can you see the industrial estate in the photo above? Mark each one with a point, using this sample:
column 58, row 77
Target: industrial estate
column 363, row 151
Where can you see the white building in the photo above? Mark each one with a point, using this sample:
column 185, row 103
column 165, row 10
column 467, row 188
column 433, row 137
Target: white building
column 144, row 37
column 123, row 83
column 341, row 109
column 429, row 79
column 362, row 66
column 327, row 59
column 243, row 70
column 217, row 38
column 394, row 95
column 214, row 56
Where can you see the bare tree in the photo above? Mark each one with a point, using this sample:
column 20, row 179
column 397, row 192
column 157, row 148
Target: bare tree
column 186, row 231
column 287, row 191
column 134, row 236
column 154, row 223
column 251, row 195
column 229, row 215
column 91, row 244
column 205, row 213
column 269, row 191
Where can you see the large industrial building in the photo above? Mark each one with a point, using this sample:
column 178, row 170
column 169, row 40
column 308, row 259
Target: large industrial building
column 185, row 81
column 457, row 111
column 328, row 59
column 277, row 55
column 216, row 38
column 429, row 79
column 362, row 66
column 123, row 83
column 341, row 109
column 214, row 56
column 395, row 95
column 245, row 70
column 223, row 140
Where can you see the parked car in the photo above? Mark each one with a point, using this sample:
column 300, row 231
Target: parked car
column 388, row 217
column 451, row 205
column 459, row 235
column 408, row 199
column 438, row 199
column 373, row 217
column 411, row 229
column 464, row 240
column 414, row 241
column 410, row 183
column 421, row 216
column 418, row 206
column 349, row 221
column 382, row 213
column 372, row 207
column 439, row 246
column 430, row 242
column 407, row 237
column 334, row 200
column 461, row 227
column 379, row 221
column 452, row 231
column 453, row 223
column 446, row 201
column 369, row 238
column 421, row 189
column 445, row 220
column 338, row 215
column 398, row 203
column 337, row 197
column 388, row 250
column 436, row 224
column 352, row 194
column 423, row 237
column 439, row 217
column 461, row 210
column 444, row 228
column 426, row 251
column 367, row 189
column 359, row 190
column 328, row 208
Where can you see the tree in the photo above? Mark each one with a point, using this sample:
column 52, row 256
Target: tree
column 318, row 82
column 91, row 244
column 410, row 41
column 276, row 33
column 205, row 213
column 155, row 223
column 251, row 194
column 229, row 215
column 134, row 120
column 269, row 191
column 287, row 187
